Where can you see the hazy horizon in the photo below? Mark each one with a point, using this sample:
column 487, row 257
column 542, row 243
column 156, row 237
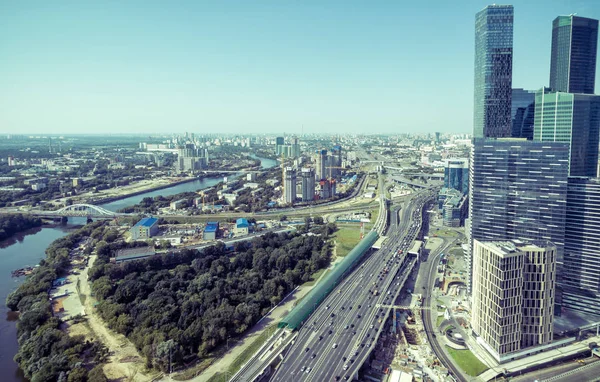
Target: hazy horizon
column 268, row 67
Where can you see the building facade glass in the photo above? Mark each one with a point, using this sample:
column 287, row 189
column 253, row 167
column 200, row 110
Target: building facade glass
column 574, row 119
column 522, row 113
column 518, row 190
column 580, row 283
column 456, row 175
column 573, row 55
column 493, row 71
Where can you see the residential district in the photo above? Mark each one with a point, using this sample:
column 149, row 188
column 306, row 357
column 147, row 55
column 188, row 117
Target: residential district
column 301, row 257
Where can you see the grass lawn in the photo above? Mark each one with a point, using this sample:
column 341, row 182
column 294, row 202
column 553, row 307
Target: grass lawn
column 467, row 361
column 346, row 237
column 315, row 276
column 244, row 356
column 438, row 322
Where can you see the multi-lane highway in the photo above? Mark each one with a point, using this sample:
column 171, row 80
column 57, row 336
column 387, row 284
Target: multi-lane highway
column 339, row 335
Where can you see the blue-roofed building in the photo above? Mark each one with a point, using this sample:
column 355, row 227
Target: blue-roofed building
column 210, row 232
column 144, row 229
column 241, row 226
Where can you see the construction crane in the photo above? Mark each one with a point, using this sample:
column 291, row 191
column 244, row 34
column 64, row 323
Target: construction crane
column 331, row 167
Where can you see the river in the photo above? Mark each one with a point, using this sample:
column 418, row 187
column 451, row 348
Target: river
column 28, row 248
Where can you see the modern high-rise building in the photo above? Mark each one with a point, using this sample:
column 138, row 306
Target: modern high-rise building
column 522, row 112
column 279, row 142
column 518, row 190
column 493, row 72
column 308, row 184
column 335, row 161
column 290, row 185
column 321, row 164
column 573, row 55
column 456, row 175
column 570, row 118
column 580, row 281
column 190, row 158
column 513, row 295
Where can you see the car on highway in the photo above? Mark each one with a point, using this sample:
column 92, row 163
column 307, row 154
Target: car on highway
column 334, row 346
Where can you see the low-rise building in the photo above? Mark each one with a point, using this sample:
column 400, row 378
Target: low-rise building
column 211, row 230
column 178, row 204
column 242, row 227
column 174, row 240
column 144, row 229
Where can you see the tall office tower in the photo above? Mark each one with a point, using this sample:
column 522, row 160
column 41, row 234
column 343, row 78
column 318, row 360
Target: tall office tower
column 513, row 295
column 321, row 164
column 279, row 142
column 580, row 282
column 295, row 147
column 571, row 118
column 336, row 161
column 573, row 55
column 493, row 71
column 290, row 185
column 518, row 190
column 522, row 112
column 456, row 175
column 308, row 184
column 437, row 137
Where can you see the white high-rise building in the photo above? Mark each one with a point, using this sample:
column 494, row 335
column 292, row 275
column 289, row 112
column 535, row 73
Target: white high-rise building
column 513, row 296
column 290, row 185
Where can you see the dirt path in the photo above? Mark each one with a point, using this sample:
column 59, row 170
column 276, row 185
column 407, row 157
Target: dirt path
column 125, row 363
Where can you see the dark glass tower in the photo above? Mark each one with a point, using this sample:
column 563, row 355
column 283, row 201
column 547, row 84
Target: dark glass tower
column 581, row 277
column 493, row 71
column 522, row 113
column 518, row 190
column 573, row 56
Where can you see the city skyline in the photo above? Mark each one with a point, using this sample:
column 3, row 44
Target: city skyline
column 268, row 68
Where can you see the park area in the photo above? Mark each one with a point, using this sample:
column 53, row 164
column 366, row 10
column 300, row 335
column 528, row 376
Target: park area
column 467, row 361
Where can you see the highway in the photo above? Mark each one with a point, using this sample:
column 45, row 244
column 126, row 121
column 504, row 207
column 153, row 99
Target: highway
column 340, row 334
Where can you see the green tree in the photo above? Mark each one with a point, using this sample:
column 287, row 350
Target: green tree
column 97, row 375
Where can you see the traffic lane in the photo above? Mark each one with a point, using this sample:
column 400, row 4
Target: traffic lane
column 324, row 327
column 337, row 301
column 360, row 343
column 328, row 342
column 345, row 341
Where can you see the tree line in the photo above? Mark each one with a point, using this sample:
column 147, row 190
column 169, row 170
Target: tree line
column 178, row 307
column 46, row 353
column 13, row 224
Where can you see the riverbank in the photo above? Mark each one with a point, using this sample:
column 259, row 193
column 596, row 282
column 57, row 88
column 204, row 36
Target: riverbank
column 126, row 195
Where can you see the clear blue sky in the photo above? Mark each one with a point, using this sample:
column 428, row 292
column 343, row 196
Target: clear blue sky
column 229, row 66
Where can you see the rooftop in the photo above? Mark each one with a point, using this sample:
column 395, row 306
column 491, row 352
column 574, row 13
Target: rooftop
column 146, row 222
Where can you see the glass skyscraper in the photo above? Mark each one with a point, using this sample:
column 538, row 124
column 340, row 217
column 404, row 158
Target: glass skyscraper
column 522, row 112
column 571, row 118
column 580, row 283
column 573, row 56
column 456, row 175
column 493, row 71
column 518, row 190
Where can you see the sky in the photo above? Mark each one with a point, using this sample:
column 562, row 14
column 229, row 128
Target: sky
column 241, row 66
